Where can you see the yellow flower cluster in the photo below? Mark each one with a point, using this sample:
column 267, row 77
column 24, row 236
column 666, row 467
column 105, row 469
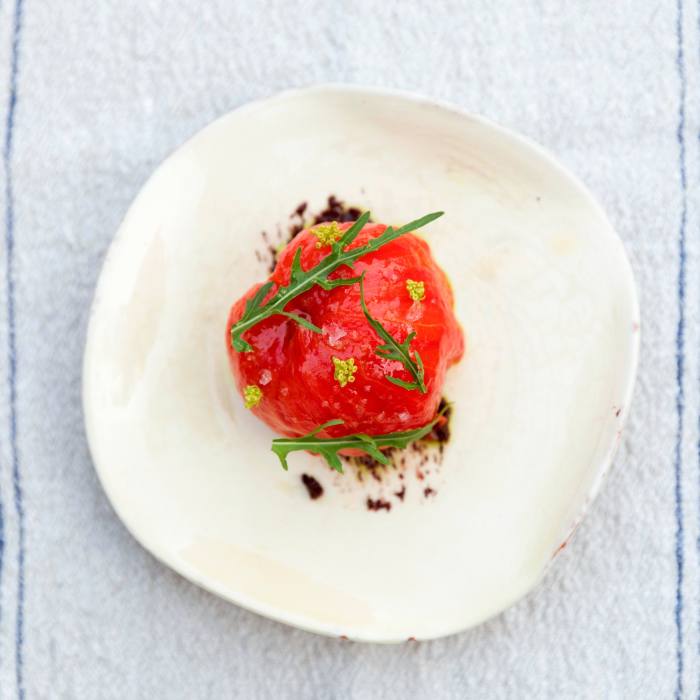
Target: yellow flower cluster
column 344, row 370
column 327, row 234
column 416, row 290
column 252, row 395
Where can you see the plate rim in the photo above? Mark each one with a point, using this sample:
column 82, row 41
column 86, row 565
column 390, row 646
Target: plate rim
column 602, row 469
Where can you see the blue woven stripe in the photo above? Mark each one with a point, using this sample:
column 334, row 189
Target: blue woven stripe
column 680, row 355
column 12, row 339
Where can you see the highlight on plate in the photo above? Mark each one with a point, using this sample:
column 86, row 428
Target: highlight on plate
column 343, row 350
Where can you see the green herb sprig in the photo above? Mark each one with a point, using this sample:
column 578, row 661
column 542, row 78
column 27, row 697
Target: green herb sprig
column 257, row 310
column 328, row 448
column 391, row 349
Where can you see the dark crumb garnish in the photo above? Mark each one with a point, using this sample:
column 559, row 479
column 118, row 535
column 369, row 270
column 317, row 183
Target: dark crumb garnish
column 269, row 250
column 295, row 227
column 430, row 449
column 371, row 464
column 335, row 210
column 378, row 504
column 441, row 432
column 312, row 486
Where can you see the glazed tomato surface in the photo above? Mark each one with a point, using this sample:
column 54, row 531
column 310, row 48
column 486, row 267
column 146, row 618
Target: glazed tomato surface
column 294, row 368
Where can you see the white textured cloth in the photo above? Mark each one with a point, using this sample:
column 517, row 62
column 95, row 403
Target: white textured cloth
column 94, row 94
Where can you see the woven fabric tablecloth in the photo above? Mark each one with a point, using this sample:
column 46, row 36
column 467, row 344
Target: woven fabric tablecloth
column 93, row 95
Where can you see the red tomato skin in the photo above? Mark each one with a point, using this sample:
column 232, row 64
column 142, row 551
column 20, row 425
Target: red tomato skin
column 294, row 366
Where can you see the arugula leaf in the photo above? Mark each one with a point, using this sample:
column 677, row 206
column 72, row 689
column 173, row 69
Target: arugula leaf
column 302, row 280
column 328, row 448
column 391, row 349
column 301, row 321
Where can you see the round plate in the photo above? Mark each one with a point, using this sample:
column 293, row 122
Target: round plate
column 543, row 291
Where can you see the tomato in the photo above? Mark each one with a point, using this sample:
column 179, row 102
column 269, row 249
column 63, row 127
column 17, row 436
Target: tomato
column 294, row 368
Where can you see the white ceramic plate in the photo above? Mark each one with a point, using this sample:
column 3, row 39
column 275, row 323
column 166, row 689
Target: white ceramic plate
column 544, row 293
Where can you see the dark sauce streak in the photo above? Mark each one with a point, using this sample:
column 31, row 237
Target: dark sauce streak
column 429, row 492
column 312, row 486
column 400, row 494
